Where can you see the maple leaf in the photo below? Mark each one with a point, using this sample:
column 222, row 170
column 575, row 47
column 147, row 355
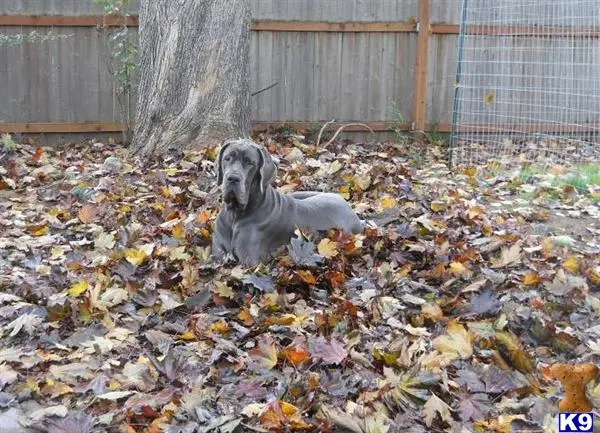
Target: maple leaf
column 25, row 322
column 508, row 257
column 512, row 350
column 330, row 352
column 74, row 422
column 79, row 288
column 532, row 279
column 457, row 268
column 278, row 414
column 485, row 303
column 436, row 406
column 296, row 355
column 410, row 387
column 328, row 248
column 572, row 264
column 456, row 344
column 265, row 353
column 387, row 202
column 135, row 257
column 302, row 252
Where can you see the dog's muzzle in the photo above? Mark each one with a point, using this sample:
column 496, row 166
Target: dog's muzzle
column 233, row 193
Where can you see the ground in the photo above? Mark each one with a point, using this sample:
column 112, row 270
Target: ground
column 443, row 316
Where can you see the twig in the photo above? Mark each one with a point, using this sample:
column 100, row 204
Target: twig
column 344, row 126
column 322, row 130
column 264, row 90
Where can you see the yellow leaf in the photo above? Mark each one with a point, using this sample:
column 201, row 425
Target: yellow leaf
column 511, row 349
column 172, row 171
column 328, row 248
column 246, row 316
column 38, row 229
column 438, row 206
column 187, row 336
column 489, row 98
column 532, row 279
column 135, row 256
column 178, row 231
column 224, row 291
column 456, row 344
column 594, row 275
column 572, row 264
column 457, row 268
column 79, row 288
column 344, row 191
column 220, row 327
column 475, row 211
column 165, row 192
column 388, row 202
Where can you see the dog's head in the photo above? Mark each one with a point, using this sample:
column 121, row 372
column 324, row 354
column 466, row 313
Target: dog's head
column 245, row 169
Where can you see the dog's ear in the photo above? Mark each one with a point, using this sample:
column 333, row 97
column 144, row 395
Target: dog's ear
column 219, row 162
column 267, row 169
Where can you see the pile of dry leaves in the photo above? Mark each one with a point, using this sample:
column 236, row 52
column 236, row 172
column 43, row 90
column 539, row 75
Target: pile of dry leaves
column 439, row 318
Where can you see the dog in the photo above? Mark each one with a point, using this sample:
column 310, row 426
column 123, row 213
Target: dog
column 256, row 220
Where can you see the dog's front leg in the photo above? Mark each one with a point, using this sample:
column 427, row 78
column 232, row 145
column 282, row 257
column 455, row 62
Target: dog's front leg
column 221, row 240
column 249, row 246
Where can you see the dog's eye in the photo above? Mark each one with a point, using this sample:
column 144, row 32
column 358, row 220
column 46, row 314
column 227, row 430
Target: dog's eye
column 248, row 161
column 227, row 158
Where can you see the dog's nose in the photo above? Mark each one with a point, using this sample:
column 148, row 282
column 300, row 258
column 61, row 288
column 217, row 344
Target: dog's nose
column 233, row 178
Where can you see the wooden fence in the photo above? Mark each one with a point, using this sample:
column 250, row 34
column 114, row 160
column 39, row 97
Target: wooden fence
column 387, row 63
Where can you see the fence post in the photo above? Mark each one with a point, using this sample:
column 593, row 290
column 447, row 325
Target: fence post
column 420, row 103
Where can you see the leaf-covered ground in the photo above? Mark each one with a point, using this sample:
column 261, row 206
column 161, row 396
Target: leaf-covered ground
column 439, row 317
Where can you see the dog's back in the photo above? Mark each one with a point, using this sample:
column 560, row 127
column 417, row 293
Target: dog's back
column 324, row 211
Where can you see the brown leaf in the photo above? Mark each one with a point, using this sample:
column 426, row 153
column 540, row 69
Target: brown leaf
column 265, row 353
column 330, row 352
column 87, row 214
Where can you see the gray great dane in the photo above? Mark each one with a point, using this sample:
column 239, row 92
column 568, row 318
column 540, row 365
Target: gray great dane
column 256, row 219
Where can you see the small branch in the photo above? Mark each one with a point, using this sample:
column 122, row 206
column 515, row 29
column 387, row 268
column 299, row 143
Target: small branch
column 264, row 90
column 344, row 126
column 322, row 130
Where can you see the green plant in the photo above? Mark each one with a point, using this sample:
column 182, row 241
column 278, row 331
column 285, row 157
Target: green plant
column 8, row 144
column 581, row 178
column 437, row 138
column 121, row 61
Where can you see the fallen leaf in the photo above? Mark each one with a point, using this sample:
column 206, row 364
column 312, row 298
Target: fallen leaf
column 79, row 288
column 435, row 407
column 330, row 352
column 265, row 353
column 572, row 264
column 508, row 257
column 87, row 214
column 328, row 248
column 296, row 355
column 456, row 344
column 532, row 279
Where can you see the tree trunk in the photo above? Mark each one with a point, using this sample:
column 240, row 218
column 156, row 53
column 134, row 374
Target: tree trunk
column 194, row 86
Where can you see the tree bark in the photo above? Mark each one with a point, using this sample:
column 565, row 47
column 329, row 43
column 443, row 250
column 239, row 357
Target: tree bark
column 194, row 86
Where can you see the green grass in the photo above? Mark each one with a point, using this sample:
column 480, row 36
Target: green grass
column 582, row 177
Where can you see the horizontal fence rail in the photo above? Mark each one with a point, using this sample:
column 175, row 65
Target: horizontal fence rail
column 416, row 46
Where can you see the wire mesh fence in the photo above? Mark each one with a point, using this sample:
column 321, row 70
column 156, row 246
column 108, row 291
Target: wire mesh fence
column 528, row 83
